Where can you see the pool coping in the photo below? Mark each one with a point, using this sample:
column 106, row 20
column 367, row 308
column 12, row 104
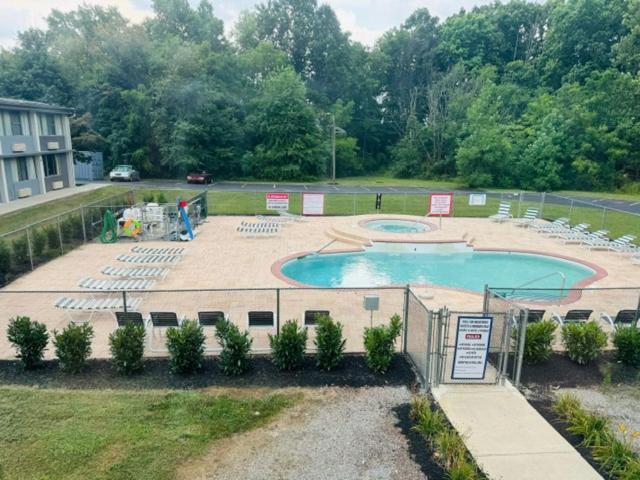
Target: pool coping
column 574, row 295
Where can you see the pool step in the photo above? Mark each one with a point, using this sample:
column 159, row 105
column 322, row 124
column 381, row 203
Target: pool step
column 351, row 236
column 347, row 238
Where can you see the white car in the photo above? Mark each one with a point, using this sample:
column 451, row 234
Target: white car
column 124, row 173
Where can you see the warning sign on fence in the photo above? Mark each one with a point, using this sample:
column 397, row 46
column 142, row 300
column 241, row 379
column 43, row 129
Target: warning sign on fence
column 440, row 204
column 472, row 348
column 313, row 203
column 278, row 201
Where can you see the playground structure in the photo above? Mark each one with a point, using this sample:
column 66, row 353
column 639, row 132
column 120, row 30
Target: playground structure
column 148, row 221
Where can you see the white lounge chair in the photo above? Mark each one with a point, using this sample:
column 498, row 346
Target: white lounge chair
column 504, row 213
column 582, row 237
column 292, row 216
column 530, row 216
column 145, row 259
column 624, row 245
column 124, row 284
column 159, row 251
column 134, row 272
column 559, row 223
column 580, row 229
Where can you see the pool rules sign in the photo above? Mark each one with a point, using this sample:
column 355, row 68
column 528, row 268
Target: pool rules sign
column 472, row 347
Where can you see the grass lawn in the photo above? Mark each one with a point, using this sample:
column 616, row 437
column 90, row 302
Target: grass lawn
column 104, row 434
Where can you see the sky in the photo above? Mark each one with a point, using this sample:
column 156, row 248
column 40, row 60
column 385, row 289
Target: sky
column 367, row 20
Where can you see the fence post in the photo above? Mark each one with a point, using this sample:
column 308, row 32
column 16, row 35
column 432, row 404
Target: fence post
column 570, row 211
column 30, row 250
column 428, row 379
column 405, row 320
column 485, row 303
column 84, row 228
column 522, row 334
column 520, row 194
column 355, row 209
column 542, row 200
column 124, row 301
column 404, row 207
column 60, row 236
column 604, row 216
column 278, row 311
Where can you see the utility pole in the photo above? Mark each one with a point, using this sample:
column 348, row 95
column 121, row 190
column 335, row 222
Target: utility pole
column 333, row 148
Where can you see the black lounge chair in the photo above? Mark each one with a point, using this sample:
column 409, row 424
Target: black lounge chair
column 129, row 317
column 535, row 316
column 573, row 316
column 624, row 318
column 210, row 319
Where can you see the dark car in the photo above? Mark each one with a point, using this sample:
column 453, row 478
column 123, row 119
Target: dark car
column 199, row 177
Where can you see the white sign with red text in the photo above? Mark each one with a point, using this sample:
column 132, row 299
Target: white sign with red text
column 472, row 348
column 278, row 201
column 440, row 204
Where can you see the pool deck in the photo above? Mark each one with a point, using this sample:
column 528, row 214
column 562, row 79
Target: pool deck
column 222, row 258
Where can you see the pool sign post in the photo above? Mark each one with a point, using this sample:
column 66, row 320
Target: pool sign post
column 278, row 201
column 473, row 337
column 440, row 205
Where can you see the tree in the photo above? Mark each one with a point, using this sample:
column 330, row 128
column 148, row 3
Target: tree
column 286, row 137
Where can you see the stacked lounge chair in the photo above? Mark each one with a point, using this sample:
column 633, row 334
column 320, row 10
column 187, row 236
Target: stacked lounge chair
column 135, row 272
column 123, row 284
column 261, row 229
column 529, row 218
column 583, row 236
column 558, row 224
column 148, row 258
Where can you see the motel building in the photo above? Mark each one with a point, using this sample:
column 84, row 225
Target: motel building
column 35, row 149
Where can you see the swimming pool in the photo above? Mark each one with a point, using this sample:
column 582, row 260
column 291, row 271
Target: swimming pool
column 450, row 265
column 397, row 226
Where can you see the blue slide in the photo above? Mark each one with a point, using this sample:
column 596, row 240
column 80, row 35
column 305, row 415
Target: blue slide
column 185, row 218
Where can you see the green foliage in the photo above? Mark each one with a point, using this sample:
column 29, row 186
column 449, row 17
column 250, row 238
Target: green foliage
column 38, row 242
column 288, row 346
column 186, row 347
column 234, row 357
column 379, row 344
column 127, row 348
column 161, row 198
column 5, row 259
column 29, row 338
column 584, row 341
column 53, row 238
column 567, row 405
column 20, row 250
column 329, row 342
column 148, row 197
column 537, row 346
column 73, row 346
column 427, row 420
column 627, row 341
column 594, row 429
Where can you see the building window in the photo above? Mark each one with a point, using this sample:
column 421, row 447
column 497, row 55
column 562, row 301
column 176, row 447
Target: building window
column 50, row 165
column 23, row 170
column 261, row 319
column 48, row 124
column 16, row 123
column 310, row 316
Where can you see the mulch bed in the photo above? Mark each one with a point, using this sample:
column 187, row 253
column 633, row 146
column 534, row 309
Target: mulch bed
column 560, row 371
column 100, row 374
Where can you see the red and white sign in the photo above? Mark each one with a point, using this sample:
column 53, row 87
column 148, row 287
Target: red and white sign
column 313, row 203
column 278, row 201
column 441, row 204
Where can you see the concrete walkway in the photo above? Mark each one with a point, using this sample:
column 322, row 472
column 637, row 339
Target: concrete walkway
column 48, row 197
column 508, row 438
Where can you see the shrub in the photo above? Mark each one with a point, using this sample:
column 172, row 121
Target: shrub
column 567, row 406
column 234, row 358
column 594, row 429
column 329, row 342
column 38, row 242
column 29, row 339
column 614, row 455
column 161, row 198
column 186, row 347
column 379, row 344
column 127, row 348
column 287, row 347
column 627, row 341
column 451, row 447
column 584, row 341
column 73, row 346
column 428, row 421
column 53, row 239
column 537, row 345
column 147, row 197
column 20, row 248
column 5, row 260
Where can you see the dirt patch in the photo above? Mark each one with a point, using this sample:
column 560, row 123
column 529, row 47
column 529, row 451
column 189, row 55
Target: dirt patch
column 100, row 374
column 335, row 433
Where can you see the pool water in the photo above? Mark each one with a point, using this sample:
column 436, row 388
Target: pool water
column 397, row 226
column 450, row 265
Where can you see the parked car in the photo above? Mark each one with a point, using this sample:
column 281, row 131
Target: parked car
column 199, row 177
column 124, row 172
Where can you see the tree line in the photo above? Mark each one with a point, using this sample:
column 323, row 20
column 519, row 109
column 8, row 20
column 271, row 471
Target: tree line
column 527, row 95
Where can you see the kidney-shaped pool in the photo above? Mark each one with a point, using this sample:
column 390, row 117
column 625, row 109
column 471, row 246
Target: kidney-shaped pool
column 449, row 265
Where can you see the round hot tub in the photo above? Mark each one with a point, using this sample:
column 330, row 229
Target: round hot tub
column 397, row 226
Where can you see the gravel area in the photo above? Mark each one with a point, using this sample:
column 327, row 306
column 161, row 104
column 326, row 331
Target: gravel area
column 619, row 403
column 334, row 433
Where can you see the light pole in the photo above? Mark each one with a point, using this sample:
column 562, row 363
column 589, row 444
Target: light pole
column 334, row 130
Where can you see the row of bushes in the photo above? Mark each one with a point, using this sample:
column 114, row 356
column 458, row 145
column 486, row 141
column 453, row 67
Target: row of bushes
column 149, row 197
column 444, row 441
column 614, row 453
column 584, row 342
column 186, row 345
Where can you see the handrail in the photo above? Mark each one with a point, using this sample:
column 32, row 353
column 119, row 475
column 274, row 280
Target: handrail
column 325, row 246
column 562, row 276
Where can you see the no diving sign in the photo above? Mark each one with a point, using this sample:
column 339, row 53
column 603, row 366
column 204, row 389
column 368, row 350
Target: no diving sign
column 473, row 336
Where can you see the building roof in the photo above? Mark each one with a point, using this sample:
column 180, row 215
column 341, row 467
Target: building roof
column 16, row 104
